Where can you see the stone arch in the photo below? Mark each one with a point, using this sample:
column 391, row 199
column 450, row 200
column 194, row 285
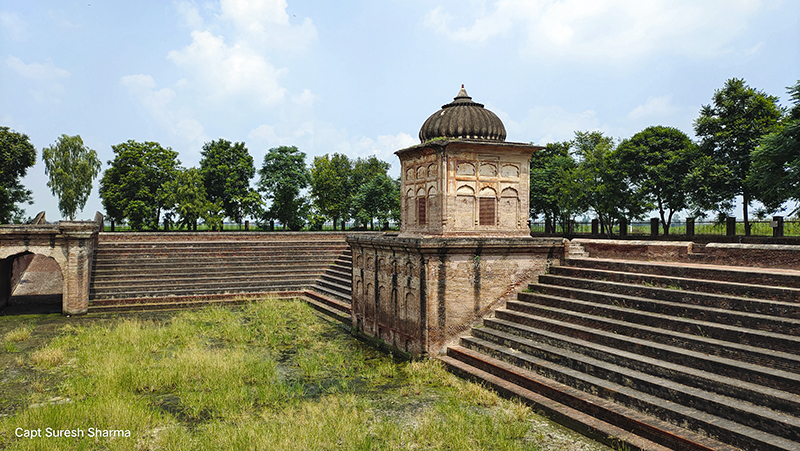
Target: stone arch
column 432, row 170
column 421, row 172
column 487, row 207
column 488, row 170
column 509, row 208
column 31, row 282
column 465, row 208
column 487, row 191
column 465, row 168
column 509, row 171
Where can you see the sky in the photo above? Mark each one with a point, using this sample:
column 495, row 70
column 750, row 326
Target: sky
column 361, row 77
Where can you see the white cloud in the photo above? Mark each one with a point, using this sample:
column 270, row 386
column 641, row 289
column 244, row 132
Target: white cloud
column 615, row 29
column 14, row 26
column 546, row 124
column 189, row 14
column 226, row 71
column 654, row 107
column 266, row 24
column 158, row 104
column 44, row 79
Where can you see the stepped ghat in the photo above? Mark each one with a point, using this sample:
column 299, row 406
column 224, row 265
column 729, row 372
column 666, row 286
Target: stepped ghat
column 640, row 345
column 643, row 345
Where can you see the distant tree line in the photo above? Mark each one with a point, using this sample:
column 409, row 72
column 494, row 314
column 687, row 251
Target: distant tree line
column 146, row 186
column 748, row 147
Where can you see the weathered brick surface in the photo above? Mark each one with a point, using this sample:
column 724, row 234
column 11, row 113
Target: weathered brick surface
column 70, row 243
column 418, row 294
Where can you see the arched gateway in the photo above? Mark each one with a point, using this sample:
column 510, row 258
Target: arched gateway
column 70, row 243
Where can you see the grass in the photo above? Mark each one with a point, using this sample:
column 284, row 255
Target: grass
column 263, row 376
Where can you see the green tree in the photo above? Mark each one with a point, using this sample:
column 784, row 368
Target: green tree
column 730, row 129
column 554, row 190
column 378, row 198
column 189, row 197
column 776, row 161
column 17, row 154
column 368, row 174
column 135, row 185
column 605, row 184
column 227, row 169
column 658, row 161
column 281, row 177
column 72, row 166
column 331, row 186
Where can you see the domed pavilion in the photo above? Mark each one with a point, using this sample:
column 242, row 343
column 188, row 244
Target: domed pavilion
column 464, row 246
column 464, row 179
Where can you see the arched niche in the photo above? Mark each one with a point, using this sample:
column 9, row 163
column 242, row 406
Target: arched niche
column 31, row 283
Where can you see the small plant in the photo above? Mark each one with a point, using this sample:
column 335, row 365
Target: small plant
column 48, row 357
column 19, row 334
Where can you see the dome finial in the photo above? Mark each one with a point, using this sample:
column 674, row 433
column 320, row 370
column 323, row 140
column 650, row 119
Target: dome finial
column 462, row 95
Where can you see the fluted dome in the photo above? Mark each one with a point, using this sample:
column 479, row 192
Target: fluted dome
column 465, row 119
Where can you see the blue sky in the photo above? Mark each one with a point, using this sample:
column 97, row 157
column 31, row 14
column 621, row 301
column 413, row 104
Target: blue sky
column 360, row 77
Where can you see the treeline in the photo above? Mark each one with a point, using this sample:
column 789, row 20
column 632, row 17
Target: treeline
column 146, row 186
column 748, row 147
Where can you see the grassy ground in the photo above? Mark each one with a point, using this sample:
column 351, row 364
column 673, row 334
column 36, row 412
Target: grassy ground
column 268, row 375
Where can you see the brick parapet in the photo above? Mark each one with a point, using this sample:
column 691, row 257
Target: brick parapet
column 419, row 294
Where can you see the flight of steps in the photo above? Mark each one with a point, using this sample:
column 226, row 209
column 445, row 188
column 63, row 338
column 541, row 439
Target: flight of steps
column 175, row 272
column 651, row 356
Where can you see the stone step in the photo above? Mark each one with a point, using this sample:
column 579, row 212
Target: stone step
column 747, row 275
column 177, row 267
column 216, row 257
column 746, row 290
column 714, row 426
column 721, row 323
column 685, row 297
column 518, row 336
column 146, row 283
column 590, row 410
column 262, row 287
column 693, row 339
column 335, row 286
column 754, row 372
column 602, row 431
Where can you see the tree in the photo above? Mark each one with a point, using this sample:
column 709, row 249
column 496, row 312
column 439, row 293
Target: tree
column 607, row 190
column 17, row 154
column 281, row 177
column 776, row 160
column 367, row 176
column 71, row 166
column 135, row 186
column 331, row 186
column 378, row 198
column 730, row 130
column 658, row 161
column 553, row 189
column 189, row 197
column 227, row 169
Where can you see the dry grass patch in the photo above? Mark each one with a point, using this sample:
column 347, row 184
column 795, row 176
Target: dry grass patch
column 48, row 357
column 19, row 334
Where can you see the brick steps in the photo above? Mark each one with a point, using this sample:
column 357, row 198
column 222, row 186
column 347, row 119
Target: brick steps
column 681, row 355
column 180, row 272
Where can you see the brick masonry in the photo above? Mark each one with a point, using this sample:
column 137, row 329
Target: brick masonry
column 419, row 294
column 71, row 244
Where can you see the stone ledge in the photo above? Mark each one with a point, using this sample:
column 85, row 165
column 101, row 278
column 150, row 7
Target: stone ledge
column 440, row 245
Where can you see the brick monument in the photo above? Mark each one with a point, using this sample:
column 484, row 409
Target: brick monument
column 464, row 246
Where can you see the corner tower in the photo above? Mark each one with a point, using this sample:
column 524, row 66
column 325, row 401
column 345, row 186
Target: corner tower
column 464, row 179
